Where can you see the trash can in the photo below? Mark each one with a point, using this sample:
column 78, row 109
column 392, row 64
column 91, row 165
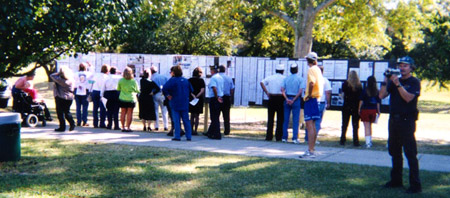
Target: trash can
column 10, row 136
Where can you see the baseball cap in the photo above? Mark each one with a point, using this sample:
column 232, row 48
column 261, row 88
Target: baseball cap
column 312, row 56
column 294, row 65
column 280, row 67
column 406, row 59
column 216, row 67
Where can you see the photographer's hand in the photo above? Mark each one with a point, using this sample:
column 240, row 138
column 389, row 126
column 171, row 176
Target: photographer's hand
column 394, row 79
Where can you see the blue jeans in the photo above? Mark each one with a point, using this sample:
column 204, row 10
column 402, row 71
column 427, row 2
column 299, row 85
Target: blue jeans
column 187, row 124
column 295, row 108
column 82, row 108
column 96, row 99
column 319, row 121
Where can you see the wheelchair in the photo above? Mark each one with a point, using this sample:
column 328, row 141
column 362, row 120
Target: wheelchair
column 31, row 112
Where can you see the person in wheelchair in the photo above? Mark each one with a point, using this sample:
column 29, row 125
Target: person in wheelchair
column 26, row 100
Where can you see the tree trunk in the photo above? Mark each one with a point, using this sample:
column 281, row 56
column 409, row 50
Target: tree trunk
column 303, row 31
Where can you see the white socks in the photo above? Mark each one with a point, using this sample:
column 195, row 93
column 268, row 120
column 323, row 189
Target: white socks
column 368, row 139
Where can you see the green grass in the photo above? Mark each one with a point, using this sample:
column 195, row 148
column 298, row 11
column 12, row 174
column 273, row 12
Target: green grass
column 53, row 168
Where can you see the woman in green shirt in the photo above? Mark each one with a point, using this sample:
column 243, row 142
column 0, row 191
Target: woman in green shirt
column 127, row 86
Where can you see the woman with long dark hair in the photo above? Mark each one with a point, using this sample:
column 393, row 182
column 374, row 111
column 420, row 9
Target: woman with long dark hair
column 146, row 104
column 369, row 108
column 352, row 90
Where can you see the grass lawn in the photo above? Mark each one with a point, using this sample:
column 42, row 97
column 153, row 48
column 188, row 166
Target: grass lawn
column 53, row 168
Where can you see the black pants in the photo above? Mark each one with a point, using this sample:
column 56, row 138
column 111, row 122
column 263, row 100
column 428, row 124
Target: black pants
column 226, row 106
column 275, row 105
column 112, row 108
column 346, row 113
column 63, row 111
column 214, row 127
column 401, row 135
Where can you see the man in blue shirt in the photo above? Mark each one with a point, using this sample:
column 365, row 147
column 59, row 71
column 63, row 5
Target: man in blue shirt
column 158, row 98
column 215, row 94
column 177, row 90
column 292, row 90
column 403, row 114
column 228, row 92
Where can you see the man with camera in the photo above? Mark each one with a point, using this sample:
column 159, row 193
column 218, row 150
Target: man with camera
column 403, row 113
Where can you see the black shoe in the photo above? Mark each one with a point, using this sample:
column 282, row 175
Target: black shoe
column 49, row 119
column 342, row 143
column 411, row 190
column 226, row 133
column 170, row 134
column 117, row 128
column 145, row 129
column 60, row 130
column 218, row 137
column 194, row 133
column 156, row 129
column 188, row 140
column 269, row 139
column 391, row 184
column 149, row 129
column 108, row 127
column 175, row 139
column 182, row 133
column 103, row 127
column 78, row 124
column 165, row 129
column 205, row 134
column 72, row 127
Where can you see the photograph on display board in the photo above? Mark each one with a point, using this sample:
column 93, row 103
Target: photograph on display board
column 337, row 101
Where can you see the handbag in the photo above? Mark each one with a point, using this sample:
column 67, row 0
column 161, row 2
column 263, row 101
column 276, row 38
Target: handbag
column 89, row 97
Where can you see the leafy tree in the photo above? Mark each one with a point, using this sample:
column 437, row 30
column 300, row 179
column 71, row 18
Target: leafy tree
column 42, row 30
column 433, row 55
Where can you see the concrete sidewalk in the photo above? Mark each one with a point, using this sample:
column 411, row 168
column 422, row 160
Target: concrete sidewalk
column 237, row 146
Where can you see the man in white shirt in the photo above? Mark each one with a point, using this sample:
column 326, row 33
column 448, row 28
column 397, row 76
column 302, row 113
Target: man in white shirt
column 271, row 86
column 158, row 98
column 99, row 80
column 228, row 91
column 112, row 95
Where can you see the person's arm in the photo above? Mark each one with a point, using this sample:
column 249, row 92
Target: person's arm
column 310, row 88
column 406, row 96
column 299, row 93
column 359, row 107
column 328, row 98
column 264, row 88
column 216, row 96
column 202, row 90
column 58, row 80
column 383, row 90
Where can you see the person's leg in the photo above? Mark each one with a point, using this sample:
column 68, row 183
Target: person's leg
column 96, row 100
column 287, row 113
column 85, row 106
column 102, row 114
column 164, row 111
column 355, row 125
column 367, row 133
column 123, row 112
column 67, row 114
column 60, row 114
column 270, row 119
column 345, row 120
column 129, row 117
column 78, row 104
column 187, row 124
column 226, row 105
column 176, row 121
column 295, row 119
column 279, row 109
column 395, row 150
column 310, row 125
column 410, row 149
column 144, row 124
column 109, row 113
column 156, row 104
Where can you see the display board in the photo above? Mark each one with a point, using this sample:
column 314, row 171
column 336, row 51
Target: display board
column 246, row 72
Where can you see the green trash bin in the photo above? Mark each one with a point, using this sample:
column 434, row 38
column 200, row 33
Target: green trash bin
column 10, row 136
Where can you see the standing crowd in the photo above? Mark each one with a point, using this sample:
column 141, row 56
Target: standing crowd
column 110, row 92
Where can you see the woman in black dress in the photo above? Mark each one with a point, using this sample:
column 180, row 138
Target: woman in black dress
column 146, row 104
column 199, row 89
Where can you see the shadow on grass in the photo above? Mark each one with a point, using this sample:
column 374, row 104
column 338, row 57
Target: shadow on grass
column 70, row 169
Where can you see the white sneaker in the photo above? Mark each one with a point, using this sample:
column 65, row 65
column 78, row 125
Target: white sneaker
column 369, row 145
column 295, row 142
column 284, row 140
column 308, row 154
column 317, row 142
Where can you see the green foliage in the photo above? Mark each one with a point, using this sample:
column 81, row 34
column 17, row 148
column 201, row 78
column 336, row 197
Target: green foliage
column 433, row 56
column 42, row 30
column 185, row 27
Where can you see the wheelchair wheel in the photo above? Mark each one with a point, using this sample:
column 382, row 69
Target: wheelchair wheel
column 31, row 120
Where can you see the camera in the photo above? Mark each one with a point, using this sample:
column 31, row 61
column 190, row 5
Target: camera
column 391, row 71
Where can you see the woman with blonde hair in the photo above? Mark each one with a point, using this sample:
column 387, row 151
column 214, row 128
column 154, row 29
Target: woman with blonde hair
column 352, row 90
column 127, row 86
column 63, row 92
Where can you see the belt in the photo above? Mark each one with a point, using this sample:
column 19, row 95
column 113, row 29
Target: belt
column 290, row 95
column 322, row 102
column 275, row 94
